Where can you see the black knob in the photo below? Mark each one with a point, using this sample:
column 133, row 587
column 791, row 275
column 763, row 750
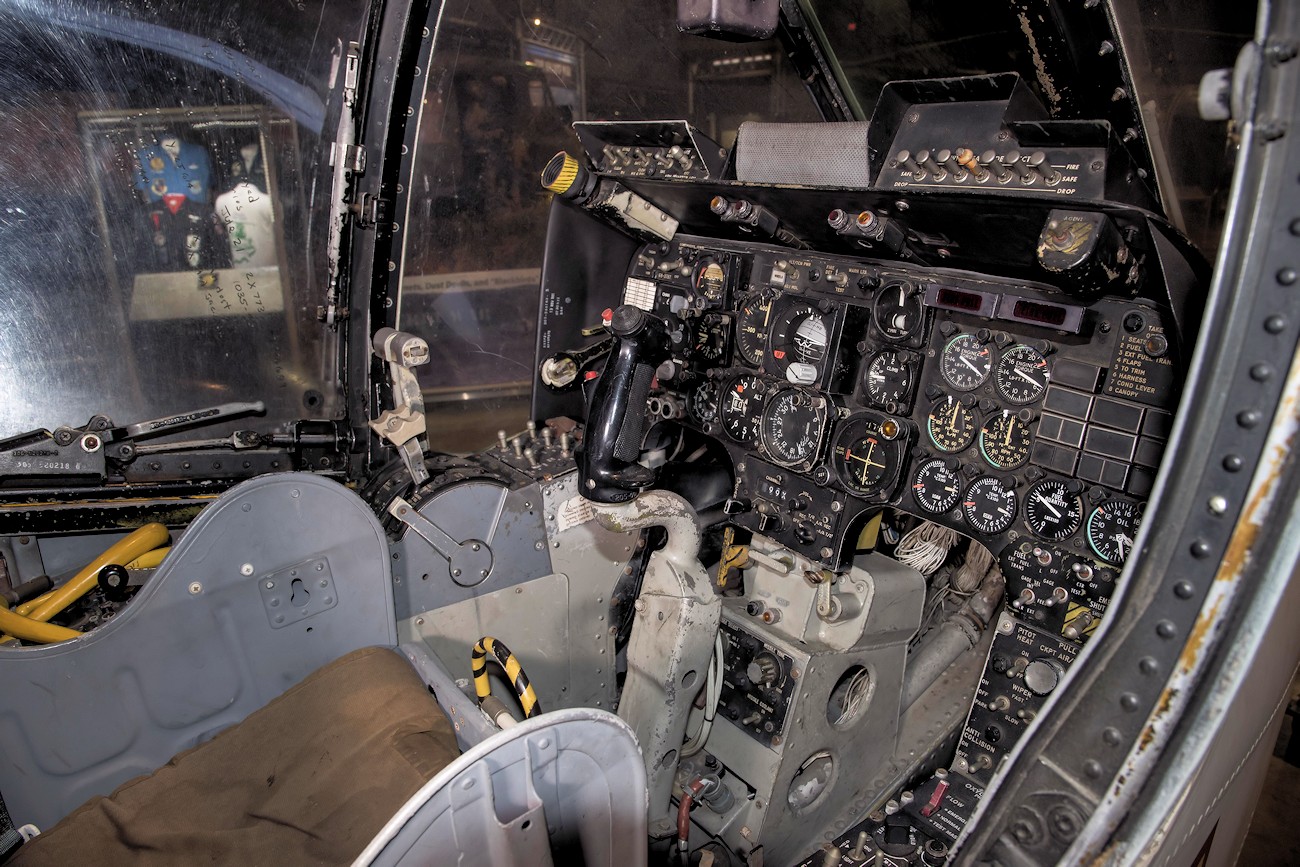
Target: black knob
column 113, row 580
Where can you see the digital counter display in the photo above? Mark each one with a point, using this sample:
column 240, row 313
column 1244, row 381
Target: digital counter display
column 1044, row 314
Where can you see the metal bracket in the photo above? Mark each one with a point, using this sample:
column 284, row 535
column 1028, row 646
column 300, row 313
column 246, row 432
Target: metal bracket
column 292, row 595
column 404, row 425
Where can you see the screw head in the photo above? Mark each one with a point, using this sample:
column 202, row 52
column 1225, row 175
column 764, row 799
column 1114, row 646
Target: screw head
column 246, row 569
column 195, row 588
column 270, row 585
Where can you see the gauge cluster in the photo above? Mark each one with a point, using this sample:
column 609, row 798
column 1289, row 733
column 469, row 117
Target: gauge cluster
column 839, row 385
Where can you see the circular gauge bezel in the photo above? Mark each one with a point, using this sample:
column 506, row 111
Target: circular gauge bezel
column 931, row 471
column 1013, row 383
column 895, row 300
column 709, row 338
column 793, row 355
column 951, row 438
column 898, row 392
column 980, row 503
column 865, row 460
column 703, row 394
column 1058, row 519
column 710, row 286
column 753, row 321
column 1093, row 530
column 782, row 406
column 966, row 362
column 740, row 405
column 993, row 449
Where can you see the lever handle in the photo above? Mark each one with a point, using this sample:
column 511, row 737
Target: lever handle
column 607, row 467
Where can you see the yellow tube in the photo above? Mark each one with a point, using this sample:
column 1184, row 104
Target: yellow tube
column 149, row 560
column 140, row 541
column 17, row 626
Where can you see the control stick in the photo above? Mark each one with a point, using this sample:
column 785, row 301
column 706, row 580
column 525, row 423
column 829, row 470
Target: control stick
column 607, row 467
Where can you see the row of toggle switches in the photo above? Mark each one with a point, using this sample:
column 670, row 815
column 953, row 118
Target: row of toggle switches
column 963, row 165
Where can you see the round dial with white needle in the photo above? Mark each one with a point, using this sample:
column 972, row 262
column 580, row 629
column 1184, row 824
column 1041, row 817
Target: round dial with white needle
column 868, row 454
column 1052, row 510
column 951, row 425
column 936, row 486
column 1022, row 374
column 889, row 378
column 1004, row 440
column 1112, row 527
column 989, row 505
column 966, row 362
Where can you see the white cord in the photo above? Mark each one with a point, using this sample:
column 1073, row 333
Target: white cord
column 712, row 692
column 925, row 547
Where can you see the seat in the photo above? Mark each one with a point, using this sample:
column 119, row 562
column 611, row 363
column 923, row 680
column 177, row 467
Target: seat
column 308, row 779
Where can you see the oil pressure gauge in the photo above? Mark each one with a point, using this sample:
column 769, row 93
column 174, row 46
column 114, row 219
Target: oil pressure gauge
column 966, row 362
column 1052, row 510
column 1112, row 526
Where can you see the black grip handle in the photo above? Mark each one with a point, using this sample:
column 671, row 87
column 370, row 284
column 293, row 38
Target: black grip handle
column 607, row 467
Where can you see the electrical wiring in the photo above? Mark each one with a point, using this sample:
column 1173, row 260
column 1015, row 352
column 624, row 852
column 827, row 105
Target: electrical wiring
column 926, row 547
column 712, row 692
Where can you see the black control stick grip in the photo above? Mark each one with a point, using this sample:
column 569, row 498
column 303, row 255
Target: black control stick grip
column 607, row 467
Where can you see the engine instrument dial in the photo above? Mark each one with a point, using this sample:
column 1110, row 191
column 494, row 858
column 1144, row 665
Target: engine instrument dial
column 889, row 378
column 709, row 338
column 966, row 362
column 751, row 327
column 1004, row 440
column 740, row 406
column 1052, row 511
column 951, row 425
column 936, row 486
column 792, row 425
column 868, row 454
column 1112, row 526
column 703, row 403
column 799, row 342
column 989, row 506
column 1022, row 374
column 898, row 312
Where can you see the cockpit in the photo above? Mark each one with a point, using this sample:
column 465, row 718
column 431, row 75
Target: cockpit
column 785, row 433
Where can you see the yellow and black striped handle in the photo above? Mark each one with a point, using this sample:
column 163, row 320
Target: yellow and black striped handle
column 514, row 671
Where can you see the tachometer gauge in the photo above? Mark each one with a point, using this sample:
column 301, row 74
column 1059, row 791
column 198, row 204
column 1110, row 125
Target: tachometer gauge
column 752, row 326
column 898, row 312
column 889, row 377
column 951, row 425
column 798, row 343
column 868, row 454
column 1022, row 374
column 791, row 428
column 740, row 406
column 966, row 362
column 702, row 403
column 1052, row 511
column 709, row 338
column 1112, row 527
column 989, row 506
column 710, row 278
column 936, row 487
column 1004, row 440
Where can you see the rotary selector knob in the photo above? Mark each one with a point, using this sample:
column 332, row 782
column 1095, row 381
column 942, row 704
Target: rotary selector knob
column 1042, row 675
column 764, row 670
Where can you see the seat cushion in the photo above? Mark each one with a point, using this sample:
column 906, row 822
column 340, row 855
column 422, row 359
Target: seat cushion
column 308, row 779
